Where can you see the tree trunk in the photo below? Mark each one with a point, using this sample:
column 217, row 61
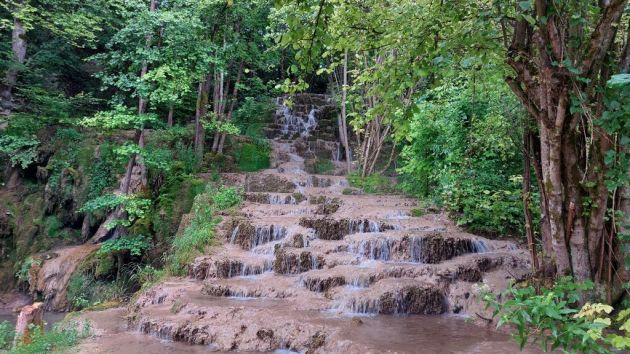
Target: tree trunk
column 169, row 119
column 18, row 47
column 343, row 126
column 529, row 231
column 552, row 182
column 571, row 150
column 200, row 113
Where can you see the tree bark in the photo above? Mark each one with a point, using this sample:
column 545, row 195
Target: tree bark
column 18, row 48
column 201, row 112
column 529, row 231
column 343, row 126
column 169, row 119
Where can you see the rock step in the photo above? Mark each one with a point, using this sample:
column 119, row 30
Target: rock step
column 233, row 266
column 275, row 198
column 223, row 324
column 267, row 286
column 391, row 296
column 418, row 247
column 336, row 229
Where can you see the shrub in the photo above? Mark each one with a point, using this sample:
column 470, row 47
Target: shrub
column 6, row 335
column 323, row 167
column 226, row 197
column 553, row 318
column 56, row 340
column 253, row 157
column 374, row 184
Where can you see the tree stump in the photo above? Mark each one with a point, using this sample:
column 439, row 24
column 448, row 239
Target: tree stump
column 30, row 314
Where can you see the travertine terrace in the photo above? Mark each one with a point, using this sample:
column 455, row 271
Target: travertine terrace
column 307, row 260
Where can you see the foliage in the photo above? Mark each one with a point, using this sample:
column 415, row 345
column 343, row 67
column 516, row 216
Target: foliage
column 375, row 183
column 58, row 339
column 134, row 245
column 6, row 335
column 225, row 198
column 323, row 167
column 84, row 290
column 134, row 206
column 253, row 157
column 119, row 117
column 22, row 150
column 553, row 317
column 201, row 228
column 460, row 150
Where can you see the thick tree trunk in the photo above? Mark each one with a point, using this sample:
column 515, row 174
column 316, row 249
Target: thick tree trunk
column 18, row 47
column 553, row 184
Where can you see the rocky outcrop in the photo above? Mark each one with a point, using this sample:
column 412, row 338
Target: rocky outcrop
column 295, row 261
column 336, row 229
column 268, row 182
column 50, row 273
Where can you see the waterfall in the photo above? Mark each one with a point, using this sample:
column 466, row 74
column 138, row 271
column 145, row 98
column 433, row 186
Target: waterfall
column 234, row 234
column 268, row 233
column 292, row 121
column 479, row 246
column 415, row 249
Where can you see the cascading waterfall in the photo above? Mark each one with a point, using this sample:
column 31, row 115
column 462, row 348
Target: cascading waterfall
column 268, row 233
column 291, row 121
column 237, row 269
column 415, row 249
column 373, row 249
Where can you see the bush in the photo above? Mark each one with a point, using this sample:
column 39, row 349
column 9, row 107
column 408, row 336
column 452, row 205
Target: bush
column 85, row 291
column 253, row 157
column 460, row 153
column 226, row 197
column 323, row 167
column 56, row 340
column 6, row 335
column 553, row 318
column 374, row 184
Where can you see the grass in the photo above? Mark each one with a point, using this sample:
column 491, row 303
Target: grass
column 203, row 221
column 373, row 184
column 58, row 339
column 253, row 157
column 323, row 167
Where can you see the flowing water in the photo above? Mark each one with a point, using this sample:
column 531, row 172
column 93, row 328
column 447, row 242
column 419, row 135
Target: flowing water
column 307, row 267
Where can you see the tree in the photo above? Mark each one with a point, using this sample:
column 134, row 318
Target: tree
column 78, row 23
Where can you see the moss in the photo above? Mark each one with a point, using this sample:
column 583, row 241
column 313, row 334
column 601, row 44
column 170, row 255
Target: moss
column 252, row 157
column 323, row 167
column 417, row 212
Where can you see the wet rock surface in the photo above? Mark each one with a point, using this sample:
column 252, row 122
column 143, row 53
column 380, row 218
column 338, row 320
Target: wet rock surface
column 305, row 258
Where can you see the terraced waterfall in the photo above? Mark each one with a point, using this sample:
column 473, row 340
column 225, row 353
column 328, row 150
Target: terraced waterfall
column 306, row 268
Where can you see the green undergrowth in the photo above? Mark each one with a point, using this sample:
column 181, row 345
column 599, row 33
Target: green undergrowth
column 201, row 228
column 373, row 184
column 323, row 167
column 253, row 157
column 61, row 338
column 555, row 317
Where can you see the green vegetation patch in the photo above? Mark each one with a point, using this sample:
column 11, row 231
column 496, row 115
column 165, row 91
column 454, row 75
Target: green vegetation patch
column 253, row 157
